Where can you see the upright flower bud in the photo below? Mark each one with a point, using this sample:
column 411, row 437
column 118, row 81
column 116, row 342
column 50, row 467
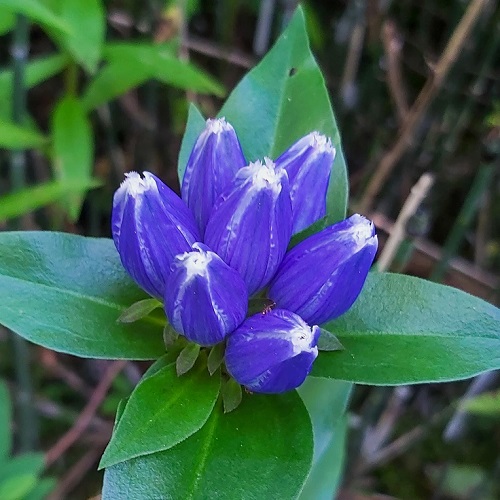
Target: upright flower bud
column 322, row 276
column 272, row 352
column 150, row 226
column 251, row 224
column 308, row 163
column 214, row 160
column 205, row 299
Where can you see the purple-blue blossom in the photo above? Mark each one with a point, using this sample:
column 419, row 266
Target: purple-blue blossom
column 226, row 240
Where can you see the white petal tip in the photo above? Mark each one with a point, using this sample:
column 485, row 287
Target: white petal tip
column 217, row 125
column 135, row 184
column 321, row 143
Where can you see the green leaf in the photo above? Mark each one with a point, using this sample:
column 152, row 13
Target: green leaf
column 282, row 99
column 163, row 410
column 86, row 20
column 329, row 342
column 405, row 330
column 130, row 65
column 42, row 489
column 26, row 200
column 232, row 395
column 484, row 404
column 139, row 310
column 187, row 358
column 7, row 22
column 5, row 421
column 326, row 400
column 36, row 71
column 73, row 148
column 215, row 358
column 169, row 336
column 113, row 80
column 17, row 487
column 194, row 126
column 13, row 136
column 261, row 450
column 28, row 463
column 38, row 12
column 65, row 292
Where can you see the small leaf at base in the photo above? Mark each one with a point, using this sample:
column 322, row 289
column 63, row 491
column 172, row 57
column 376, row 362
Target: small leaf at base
column 138, row 310
column 187, row 358
column 328, row 342
column 169, row 336
column 231, row 395
column 215, row 358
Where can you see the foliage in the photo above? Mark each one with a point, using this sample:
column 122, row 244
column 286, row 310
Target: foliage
column 19, row 475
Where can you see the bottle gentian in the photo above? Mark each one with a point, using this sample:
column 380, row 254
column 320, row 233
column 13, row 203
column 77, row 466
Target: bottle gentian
column 227, row 239
column 219, row 152
column 308, row 163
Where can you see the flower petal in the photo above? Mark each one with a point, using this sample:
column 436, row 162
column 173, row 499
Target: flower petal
column 251, row 224
column 322, row 276
column 272, row 352
column 308, row 163
column 205, row 298
column 214, row 160
column 150, row 225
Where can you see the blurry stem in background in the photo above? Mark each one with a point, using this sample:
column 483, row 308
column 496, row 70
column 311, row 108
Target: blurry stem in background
column 264, row 27
column 28, row 435
column 431, row 88
column 398, row 233
column 347, row 85
column 71, row 78
column 393, row 44
column 458, row 423
column 463, row 220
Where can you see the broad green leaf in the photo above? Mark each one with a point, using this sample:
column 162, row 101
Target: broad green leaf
column 17, row 487
column 282, row 99
column 26, row 200
column 163, row 410
column 405, row 330
column 7, row 21
column 13, row 136
column 38, row 12
column 484, row 404
column 130, row 65
column 326, row 400
column 65, row 292
column 86, row 20
column 28, row 463
column 36, row 71
column 263, row 449
column 73, row 148
column 5, row 421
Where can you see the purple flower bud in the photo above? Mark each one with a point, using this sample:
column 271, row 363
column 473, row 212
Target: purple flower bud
column 150, row 226
column 214, row 160
column 205, row 299
column 322, row 276
column 308, row 163
column 272, row 352
column 251, row 224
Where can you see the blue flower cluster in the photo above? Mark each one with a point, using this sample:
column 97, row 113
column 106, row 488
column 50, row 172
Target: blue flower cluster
column 226, row 240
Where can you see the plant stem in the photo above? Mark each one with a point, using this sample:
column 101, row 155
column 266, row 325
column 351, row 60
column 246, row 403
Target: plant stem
column 27, row 416
column 463, row 220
